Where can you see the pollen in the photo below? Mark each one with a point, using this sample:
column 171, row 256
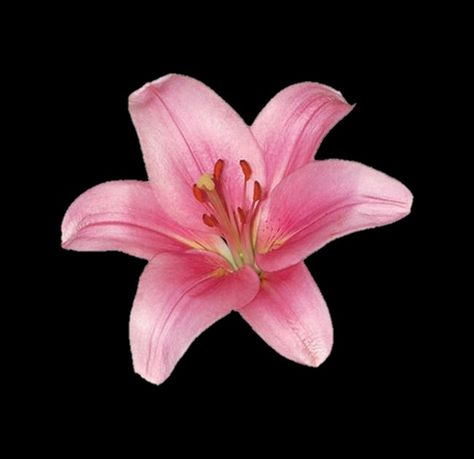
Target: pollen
column 206, row 182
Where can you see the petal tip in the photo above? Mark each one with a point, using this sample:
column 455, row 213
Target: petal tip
column 154, row 374
column 409, row 200
column 404, row 200
column 67, row 230
column 151, row 378
column 143, row 94
column 318, row 358
column 65, row 243
column 317, row 353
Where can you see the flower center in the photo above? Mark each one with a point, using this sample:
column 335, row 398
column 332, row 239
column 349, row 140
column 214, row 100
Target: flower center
column 236, row 224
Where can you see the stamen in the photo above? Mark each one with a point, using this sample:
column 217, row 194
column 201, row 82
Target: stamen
column 241, row 215
column 210, row 220
column 257, row 191
column 218, row 169
column 206, row 181
column 198, row 194
column 244, row 165
column 235, row 224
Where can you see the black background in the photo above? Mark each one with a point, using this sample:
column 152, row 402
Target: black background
column 378, row 368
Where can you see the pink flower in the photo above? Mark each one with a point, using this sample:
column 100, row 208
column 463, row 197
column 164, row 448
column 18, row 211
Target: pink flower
column 228, row 215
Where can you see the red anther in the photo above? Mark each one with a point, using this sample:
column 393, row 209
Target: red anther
column 257, row 191
column 218, row 169
column 241, row 215
column 244, row 165
column 198, row 193
column 209, row 220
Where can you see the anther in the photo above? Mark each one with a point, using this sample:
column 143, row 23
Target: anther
column 244, row 165
column 257, row 191
column 218, row 169
column 241, row 215
column 198, row 194
column 209, row 220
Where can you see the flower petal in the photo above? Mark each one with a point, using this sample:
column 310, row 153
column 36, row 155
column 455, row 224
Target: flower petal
column 178, row 297
column 293, row 124
column 290, row 314
column 184, row 128
column 123, row 215
column 322, row 201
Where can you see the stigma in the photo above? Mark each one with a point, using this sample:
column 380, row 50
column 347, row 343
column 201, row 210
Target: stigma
column 206, row 182
column 235, row 223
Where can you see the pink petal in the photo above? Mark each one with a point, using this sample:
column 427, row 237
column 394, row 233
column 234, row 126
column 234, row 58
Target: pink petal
column 184, row 128
column 178, row 297
column 322, row 201
column 293, row 124
column 290, row 314
column 123, row 216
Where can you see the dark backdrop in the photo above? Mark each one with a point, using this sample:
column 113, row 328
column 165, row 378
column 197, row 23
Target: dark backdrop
column 370, row 280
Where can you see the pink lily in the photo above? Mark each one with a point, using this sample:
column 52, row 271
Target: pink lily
column 228, row 215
